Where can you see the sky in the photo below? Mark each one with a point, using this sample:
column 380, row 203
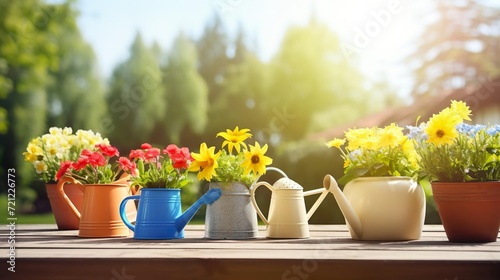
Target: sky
column 377, row 35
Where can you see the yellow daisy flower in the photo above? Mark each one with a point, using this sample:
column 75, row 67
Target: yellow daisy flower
column 461, row 108
column 360, row 138
column 205, row 162
column 255, row 160
column 441, row 128
column 234, row 138
column 391, row 136
column 33, row 151
column 337, row 142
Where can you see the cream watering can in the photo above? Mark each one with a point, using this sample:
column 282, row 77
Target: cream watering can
column 381, row 208
column 287, row 210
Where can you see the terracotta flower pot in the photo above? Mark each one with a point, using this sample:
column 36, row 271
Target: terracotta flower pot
column 65, row 219
column 470, row 212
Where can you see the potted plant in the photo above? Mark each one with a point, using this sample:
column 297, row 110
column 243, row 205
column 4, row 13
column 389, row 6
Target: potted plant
column 381, row 201
column 161, row 174
column 233, row 169
column 105, row 183
column 46, row 153
column 462, row 162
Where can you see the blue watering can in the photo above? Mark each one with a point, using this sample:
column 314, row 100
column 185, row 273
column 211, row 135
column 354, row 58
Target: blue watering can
column 159, row 213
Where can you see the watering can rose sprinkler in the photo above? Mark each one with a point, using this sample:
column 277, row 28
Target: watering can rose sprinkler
column 287, row 211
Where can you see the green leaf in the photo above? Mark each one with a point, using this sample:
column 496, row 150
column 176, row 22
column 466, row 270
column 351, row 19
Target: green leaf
column 352, row 174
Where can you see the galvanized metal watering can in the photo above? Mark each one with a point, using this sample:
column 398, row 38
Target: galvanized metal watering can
column 287, row 212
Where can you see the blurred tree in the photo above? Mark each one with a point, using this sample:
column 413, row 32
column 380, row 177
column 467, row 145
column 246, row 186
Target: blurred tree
column 76, row 95
column 213, row 48
column 310, row 75
column 458, row 48
column 243, row 98
column 136, row 96
column 213, row 59
column 28, row 54
column 186, row 91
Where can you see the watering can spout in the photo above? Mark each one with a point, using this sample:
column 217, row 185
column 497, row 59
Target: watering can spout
column 345, row 207
column 208, row 198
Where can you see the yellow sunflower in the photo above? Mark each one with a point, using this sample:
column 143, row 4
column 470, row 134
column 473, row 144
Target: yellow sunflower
column 255, row 160
column 234, row 138
column 205, row 162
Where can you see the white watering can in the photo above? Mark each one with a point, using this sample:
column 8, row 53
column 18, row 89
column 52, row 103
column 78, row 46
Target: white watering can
column 381, row 208
column 287, row 211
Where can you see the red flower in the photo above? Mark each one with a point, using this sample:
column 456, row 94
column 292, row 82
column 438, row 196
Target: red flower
column 146, row 146
column 139, row 154
column 180, row 157
column 81, row 163
column 86, row 153
column 151, row 154
column 97, row 159
column 127, row 166
column 108, row 150
column 62, row 170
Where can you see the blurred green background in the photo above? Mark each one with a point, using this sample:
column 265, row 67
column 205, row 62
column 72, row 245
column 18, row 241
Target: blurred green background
column 313, row 86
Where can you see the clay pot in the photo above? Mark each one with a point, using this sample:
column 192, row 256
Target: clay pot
column 470, row 211
column 65, row 219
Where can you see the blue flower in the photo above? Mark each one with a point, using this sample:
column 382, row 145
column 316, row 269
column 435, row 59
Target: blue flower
column 416, row 132
column 468, row 129
column 492, row 130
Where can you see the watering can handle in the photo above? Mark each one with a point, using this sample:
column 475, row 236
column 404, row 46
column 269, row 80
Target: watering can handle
column 123, row 213
column 254, row 202
column 64, row 197
column 315, row 206
column 277, row 170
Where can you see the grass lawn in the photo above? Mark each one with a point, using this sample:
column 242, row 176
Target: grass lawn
column 45, row 218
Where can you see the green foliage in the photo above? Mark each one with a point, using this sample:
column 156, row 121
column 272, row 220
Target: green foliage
column 187, row 92
column 160, row 175
column 136, row 97
column 310, row 76
column 75, row 94
column 474, row 155
column 230, row 169
column 28, row 55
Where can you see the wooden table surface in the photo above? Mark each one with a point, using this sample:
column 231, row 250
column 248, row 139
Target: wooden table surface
column 43, row 252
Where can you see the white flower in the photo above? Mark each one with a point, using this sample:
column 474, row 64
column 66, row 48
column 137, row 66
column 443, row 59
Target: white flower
column 40, row 167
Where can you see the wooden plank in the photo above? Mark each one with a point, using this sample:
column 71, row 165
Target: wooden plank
column 230, row 269
column 46, row 253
